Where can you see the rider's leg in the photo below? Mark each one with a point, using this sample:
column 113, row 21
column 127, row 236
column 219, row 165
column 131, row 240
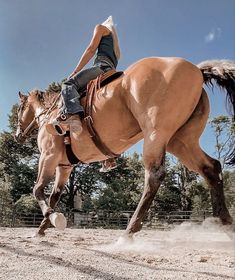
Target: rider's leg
column 72, row 109
column 72, row 87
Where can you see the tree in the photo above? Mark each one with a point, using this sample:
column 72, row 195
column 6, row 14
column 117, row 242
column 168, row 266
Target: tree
column 27, row 205
column 186, row 179
column 168, row 197
column 6, row 202
column 84, row 179
column 19, row 160
column 224, row 130
column 229, row 189
column 120, row 189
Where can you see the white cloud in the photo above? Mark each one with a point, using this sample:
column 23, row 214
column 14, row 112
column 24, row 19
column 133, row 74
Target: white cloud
column 214, row 34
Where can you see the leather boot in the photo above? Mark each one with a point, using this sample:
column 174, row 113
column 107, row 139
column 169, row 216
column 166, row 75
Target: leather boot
column 64, row 123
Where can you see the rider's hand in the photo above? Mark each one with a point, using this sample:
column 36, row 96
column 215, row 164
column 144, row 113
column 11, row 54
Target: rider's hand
column 72, row 74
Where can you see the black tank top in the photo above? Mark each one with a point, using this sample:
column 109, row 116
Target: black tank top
column 106, row 48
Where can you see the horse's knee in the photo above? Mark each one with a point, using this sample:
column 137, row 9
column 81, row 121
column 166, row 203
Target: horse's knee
column 156, row 176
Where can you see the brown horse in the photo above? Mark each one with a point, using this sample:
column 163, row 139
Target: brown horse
column 158, row 99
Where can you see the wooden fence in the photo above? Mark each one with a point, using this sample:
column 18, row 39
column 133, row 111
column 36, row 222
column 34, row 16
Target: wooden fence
column 105, row 219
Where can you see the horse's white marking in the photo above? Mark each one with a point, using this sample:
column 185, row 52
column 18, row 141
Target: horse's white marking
column 58, row 220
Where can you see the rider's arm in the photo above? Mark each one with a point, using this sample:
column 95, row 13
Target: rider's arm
column 99, row 32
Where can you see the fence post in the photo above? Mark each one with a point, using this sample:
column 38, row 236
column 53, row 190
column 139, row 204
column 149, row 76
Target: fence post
column 13, row 218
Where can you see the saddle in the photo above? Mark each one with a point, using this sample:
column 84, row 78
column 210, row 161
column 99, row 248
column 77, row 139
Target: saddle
column 92, row 87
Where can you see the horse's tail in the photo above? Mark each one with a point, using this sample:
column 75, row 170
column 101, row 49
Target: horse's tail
column 223, row 73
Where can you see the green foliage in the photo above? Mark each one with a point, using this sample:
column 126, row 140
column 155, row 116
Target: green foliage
column 26, row 205
column 122, row 187
column 6, row 203
column 229, row 188
column 19, row 160
column 84, row 179
column 13, row 118
column 200, row 196
column 168, row 197
column 224, row 130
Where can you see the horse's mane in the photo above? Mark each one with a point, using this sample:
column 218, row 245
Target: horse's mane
column 45, row 98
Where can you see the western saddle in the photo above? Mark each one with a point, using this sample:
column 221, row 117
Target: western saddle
column 91, row 90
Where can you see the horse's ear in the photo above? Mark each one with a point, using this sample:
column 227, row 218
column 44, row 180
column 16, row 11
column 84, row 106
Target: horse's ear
column 40, row 95
column 22, row 96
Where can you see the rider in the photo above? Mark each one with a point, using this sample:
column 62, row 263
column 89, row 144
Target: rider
column 105, row 44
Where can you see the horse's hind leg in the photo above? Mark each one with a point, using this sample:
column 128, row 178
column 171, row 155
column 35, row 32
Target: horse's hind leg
column 185, row 146
column 62, row 175
column 210, row 169
column 154, row 156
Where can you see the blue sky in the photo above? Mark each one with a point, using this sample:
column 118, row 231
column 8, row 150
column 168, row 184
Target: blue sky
column 41, row 41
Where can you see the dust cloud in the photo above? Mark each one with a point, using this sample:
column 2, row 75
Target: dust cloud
column 210, row 235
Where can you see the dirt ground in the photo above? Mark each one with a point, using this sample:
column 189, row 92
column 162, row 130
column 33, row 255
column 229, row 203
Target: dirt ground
column 186, row 252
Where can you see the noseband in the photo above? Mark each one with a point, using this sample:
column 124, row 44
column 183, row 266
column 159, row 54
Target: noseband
column 25, row 133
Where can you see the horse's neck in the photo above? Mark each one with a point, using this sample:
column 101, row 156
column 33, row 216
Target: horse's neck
column 49, row 102
column 39, row 110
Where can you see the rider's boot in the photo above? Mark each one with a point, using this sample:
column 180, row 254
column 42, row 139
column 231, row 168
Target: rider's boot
column 63, row 123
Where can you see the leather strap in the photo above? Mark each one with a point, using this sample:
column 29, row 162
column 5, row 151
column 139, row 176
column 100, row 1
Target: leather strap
column 92, row 88
column 70, row 154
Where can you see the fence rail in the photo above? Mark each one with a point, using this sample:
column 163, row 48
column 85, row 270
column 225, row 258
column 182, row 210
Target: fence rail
column 106, row 219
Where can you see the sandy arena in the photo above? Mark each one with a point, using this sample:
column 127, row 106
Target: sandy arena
column 186, row 252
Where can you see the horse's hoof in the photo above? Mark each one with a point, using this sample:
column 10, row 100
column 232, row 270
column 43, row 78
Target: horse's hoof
column 58, row 220
column 38, row 234
column 228, row 220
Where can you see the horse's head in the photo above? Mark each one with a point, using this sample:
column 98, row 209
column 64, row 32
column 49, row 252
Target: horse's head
column 26, row 118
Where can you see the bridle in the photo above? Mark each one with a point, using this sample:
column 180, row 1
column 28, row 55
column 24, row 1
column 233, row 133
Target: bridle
column 24, row 133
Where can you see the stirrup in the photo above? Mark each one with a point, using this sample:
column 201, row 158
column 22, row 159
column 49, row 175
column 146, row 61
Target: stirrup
column 55, row 128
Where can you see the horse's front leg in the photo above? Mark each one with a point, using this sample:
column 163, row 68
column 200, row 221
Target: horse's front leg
column 46, row 170
column 154, row 157
column 62, row 175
